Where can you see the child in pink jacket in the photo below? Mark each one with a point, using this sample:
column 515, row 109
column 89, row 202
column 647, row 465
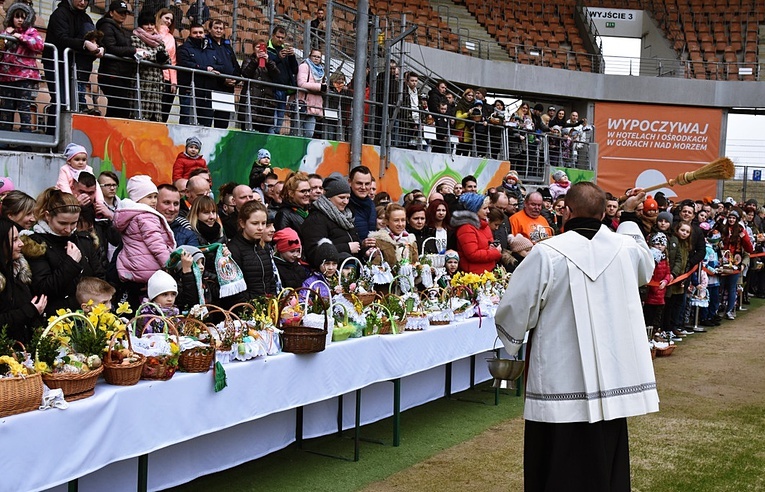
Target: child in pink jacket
column 76, row 161
column 19, row 74
column 146, row 236
column 310, row 80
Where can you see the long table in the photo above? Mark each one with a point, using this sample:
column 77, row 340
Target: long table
column 188, row 430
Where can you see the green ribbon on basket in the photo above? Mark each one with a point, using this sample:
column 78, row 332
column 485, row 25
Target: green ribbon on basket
column 219, row 374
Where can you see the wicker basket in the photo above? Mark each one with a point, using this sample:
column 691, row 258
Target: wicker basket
column 303, row 339
column 665, row 352
column 158, row 367
column 74, row 386
column 20, row 394
column 120, row 374
column 198, row 359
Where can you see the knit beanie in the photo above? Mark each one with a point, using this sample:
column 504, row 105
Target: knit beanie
column 519, row 243
column 196, row 254
column 326, row 251
column 73, row 149
column 650, row 204
column 140, row 186
column 665, row 216
column 514, row 175
column 472, row 201
column 336, row 184
column 263, row 153
column 6, row 185
column 194, row 141
column 451, row 255
column 286, row 240
column 159, row 283
column 657, row 238
column 558, row 175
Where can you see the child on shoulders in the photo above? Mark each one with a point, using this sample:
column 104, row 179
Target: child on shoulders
column 188, row 160
column 76, row 162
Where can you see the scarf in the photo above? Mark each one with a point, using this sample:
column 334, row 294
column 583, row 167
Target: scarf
column 397, row 238
column 316, row 70
column 151, row 40
column 343, row 219
column 174, row 262
column 210, row 233
column 298, row 210
column 42, row 227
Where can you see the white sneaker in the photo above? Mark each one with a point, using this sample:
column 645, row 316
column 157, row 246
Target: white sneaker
column 730, row 315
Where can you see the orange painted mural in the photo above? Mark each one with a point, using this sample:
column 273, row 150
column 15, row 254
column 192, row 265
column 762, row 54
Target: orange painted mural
column 140, row 147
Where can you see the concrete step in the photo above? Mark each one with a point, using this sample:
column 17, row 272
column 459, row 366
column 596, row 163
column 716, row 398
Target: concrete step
column 462, row 23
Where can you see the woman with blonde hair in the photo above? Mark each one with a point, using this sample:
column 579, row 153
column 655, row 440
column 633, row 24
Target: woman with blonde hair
column 296, row 198
column 58, row 255
column 165, row 26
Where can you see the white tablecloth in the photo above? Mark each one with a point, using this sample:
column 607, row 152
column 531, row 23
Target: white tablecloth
column 188, row 430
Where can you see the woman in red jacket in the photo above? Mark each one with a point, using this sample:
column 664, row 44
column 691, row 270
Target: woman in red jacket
column 475, row 240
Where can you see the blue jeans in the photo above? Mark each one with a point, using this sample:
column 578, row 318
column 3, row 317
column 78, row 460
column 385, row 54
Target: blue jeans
column 714, row 303
column 729, row 284
column 281, row 97
column 307, row 125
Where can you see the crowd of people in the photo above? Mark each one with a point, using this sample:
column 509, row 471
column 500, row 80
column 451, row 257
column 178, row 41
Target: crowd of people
column 288, row 233
column 277, row 92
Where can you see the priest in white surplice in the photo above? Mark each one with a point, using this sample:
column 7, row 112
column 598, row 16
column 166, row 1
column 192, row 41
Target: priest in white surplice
column 589, row 367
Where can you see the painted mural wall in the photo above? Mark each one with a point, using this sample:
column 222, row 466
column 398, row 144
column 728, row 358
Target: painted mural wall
column 137, row 147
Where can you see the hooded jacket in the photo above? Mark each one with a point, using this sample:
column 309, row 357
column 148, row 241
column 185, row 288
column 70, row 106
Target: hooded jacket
column 16, row 309
column 147, row 241
column 474, row 238
column 184, row 164
column 67, row 27
column 20, row 57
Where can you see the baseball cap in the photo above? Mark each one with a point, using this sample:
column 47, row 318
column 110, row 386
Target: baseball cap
column 118, row 6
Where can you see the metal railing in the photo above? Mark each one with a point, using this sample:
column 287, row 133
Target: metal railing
column 30, row 109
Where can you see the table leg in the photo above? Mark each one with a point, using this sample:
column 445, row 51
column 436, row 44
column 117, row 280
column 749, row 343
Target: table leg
column 143, row 473
column 299, row 427
column 472, row 372
column 448, row 380
column 340, row 415
column 397, row 412
column 72, row 486
column 357, row 428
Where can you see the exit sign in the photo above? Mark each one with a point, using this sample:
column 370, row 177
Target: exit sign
column 610, row 24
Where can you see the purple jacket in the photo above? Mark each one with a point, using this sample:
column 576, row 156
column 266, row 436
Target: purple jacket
column 147, row 241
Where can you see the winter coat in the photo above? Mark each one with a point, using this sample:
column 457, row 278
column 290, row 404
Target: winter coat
column 287, row 66
column 116, row 42
column 147, row 241
column 257, row 270
column 182, row 232
column 474, row 238
column 197, row 54
column 67, row 176
column 171, row 46
column 229, row 65
column 316, row 280
column 20, row 57
column 364, row 215
column 677, row 255
column 421, row 236
column 16, row 309
column 291, row 274
column 56, row 274
column 67, row 27
column 184, row 164
column 261, row 96
column 311, row 91
column 287, row 216
column 393, row 252
column 322, row 227
column 660, row 272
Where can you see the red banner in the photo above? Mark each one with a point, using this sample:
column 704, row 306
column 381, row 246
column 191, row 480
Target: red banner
column 641, row 145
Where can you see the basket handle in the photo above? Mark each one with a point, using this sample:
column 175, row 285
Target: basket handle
column 58, row 320
column 377, row 305
column 318, row 297
column 108, row 357
column 431, row 238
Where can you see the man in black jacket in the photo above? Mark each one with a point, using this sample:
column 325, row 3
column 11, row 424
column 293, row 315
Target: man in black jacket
column 225, row 56
column 283, row 55
column 67, row 27
column 197, row 53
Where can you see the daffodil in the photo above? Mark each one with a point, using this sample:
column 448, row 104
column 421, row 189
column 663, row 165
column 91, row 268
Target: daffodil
column 16, row 369
column 42, row 367
column 124, row 308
